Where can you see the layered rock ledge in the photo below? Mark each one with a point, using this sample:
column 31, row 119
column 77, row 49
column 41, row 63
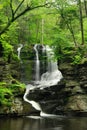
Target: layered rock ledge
column 69, row 97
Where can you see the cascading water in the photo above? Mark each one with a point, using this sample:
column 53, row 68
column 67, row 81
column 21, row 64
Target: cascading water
column 52, row 64
column 49, row 78
column 19, row 50
column 53, row 75
column 34, row 104
column 37, row 66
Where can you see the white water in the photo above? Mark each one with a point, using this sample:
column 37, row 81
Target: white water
column 50, row 78
column 53, row 75
column 19, row 50
column 37, row 73
column 34, row 104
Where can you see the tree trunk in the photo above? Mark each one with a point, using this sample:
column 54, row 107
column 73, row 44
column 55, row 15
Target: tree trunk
column 81, row 21
column 72, row 32
column 69, row 26
column 85, row 4
column 37, row 30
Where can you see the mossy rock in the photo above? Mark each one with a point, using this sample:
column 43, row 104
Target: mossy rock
column 77, row 102
column 27, row 52
column 9, row 91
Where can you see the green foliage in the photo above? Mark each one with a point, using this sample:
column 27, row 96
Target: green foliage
column 38, row 2
column 5, row 95
column 77, row 59
column 12, row 34
column 79, row 55
column 73, row 55
column 70, row 12
column 8, row 49
column 85, row 29
column 15, row 57
column 17, row 88
column 9, row 91
column 60, row 23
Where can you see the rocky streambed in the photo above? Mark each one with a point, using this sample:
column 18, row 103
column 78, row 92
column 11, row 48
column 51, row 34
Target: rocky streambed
column 69, row 96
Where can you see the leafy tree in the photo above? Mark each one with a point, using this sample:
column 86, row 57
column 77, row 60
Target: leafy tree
column 68, row 17
column 15, row 12
column 11, row 31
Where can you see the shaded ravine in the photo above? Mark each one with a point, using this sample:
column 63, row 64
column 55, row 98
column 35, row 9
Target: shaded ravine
column 50, row 78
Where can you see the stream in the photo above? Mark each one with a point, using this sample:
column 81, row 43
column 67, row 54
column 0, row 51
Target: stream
column 38, row 123
column 49, row 78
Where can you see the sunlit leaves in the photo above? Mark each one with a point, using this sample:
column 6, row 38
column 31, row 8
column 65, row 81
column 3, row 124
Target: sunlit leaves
column 1, row 6
column 37, row 2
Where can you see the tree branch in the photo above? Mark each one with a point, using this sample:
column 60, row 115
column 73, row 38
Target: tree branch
column 6, row 27
column 19, row 6
column 12, row 11
column 20, row 14
column 28, row 9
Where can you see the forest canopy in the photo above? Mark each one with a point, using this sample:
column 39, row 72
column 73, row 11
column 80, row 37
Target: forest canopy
column 59, row 23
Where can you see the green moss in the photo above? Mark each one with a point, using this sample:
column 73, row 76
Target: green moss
column 2, row 84
column 15, row 57
column 9, row 91
column 84, row 60
column 74, row 55
column 8, row 49
column 5, row 96
column 77, row 59
column 17, row 88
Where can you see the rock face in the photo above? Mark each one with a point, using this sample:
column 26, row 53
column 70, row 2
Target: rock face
column 4, row 70
column 10, row 72
column 28, row 64
column 18, row 108
column 76, row 82
column 69, row 97
column 51, row 99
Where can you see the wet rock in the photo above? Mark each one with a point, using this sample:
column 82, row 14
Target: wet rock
column 18, row 108
column 68, row 97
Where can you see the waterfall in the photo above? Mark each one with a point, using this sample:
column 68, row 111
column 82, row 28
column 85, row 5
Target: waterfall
column 37, row 64
column 34, row 104
column 52, row 64
column 47, row 79
column 53, row 75
column 19, row 50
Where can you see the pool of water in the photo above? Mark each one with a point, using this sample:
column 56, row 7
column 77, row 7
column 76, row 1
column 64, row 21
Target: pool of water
column 39, row 123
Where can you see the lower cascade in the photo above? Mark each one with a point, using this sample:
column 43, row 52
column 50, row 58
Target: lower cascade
column 50, row 77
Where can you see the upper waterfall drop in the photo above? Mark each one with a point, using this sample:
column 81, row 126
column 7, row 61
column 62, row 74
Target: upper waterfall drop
column 53, row 75
column 37, row 64
column 52, row 63
column 19, row 50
